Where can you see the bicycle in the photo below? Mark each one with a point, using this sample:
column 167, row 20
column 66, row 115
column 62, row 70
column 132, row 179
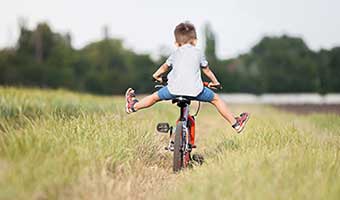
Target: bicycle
column 184, row 132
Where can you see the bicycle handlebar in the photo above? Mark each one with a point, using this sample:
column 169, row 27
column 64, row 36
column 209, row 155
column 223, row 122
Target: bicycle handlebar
column 214, row 87
column 164, row 81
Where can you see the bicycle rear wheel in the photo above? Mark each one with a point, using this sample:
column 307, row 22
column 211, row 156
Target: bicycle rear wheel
column 178, row 151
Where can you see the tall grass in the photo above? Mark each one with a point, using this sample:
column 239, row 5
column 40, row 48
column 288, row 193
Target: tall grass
column 56, row 144
column 280, row 156
column 49, row 138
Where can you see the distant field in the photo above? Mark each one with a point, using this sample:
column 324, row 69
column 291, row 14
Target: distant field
column 311, row 109
column 56, row 144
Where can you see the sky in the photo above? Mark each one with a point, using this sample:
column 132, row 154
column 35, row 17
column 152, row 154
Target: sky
column 146, row 26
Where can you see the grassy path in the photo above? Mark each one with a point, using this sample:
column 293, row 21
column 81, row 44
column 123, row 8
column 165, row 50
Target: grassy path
column 62, row 145
column 281, row 156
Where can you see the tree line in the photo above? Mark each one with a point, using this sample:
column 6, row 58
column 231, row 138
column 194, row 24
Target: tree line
column 44, row 58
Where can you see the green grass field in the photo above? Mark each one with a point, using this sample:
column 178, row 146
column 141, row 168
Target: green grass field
column 56, row 144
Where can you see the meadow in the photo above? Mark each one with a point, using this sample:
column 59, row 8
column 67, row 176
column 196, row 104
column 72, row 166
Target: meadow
column 57, row 144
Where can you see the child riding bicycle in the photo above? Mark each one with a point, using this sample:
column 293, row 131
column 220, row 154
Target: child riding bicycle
column 184, row 79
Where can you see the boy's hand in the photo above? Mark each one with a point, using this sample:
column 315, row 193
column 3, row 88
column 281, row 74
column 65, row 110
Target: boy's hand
column 157, row 78
column 214, row 82
column 214, row 85
column 158, row 74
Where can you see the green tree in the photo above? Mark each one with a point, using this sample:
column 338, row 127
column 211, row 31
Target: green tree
column 45, row 58
column 285, row 64
column 111, row 68
column 329, row 69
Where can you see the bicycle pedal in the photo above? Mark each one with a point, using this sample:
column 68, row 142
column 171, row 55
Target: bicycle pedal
column 169, row 148
column 190, row 147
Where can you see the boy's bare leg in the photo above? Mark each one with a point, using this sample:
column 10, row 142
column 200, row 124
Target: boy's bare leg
column 223, row 109
column 146, row 101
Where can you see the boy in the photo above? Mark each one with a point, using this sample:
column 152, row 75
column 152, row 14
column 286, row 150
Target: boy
column 185, row 79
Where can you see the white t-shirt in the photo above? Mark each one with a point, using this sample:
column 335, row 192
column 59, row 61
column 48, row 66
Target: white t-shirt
column 185, row 77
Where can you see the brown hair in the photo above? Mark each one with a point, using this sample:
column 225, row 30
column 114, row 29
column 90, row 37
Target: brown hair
column 185, row 32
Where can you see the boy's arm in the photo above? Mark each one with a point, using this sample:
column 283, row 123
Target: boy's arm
column 207, row 71
column 161, row 70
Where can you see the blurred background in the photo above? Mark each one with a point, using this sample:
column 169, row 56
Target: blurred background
column 103, row 47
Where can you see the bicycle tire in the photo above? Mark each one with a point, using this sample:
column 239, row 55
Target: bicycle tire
column 178, row 153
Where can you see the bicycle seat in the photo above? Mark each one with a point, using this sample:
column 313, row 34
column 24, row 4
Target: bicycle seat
column 181, row 101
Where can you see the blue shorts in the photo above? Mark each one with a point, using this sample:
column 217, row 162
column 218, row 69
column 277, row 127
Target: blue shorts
column 207, row 95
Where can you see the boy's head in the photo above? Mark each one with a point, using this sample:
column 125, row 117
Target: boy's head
column 185, row 33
